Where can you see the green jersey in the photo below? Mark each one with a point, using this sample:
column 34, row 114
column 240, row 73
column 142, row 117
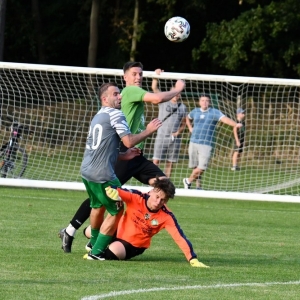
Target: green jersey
column 132, row 106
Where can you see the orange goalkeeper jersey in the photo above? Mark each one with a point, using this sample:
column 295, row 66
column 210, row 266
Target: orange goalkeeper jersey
column 138, row 224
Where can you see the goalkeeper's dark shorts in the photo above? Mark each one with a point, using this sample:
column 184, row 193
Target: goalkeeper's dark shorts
column 131, row 251
column 139, row 168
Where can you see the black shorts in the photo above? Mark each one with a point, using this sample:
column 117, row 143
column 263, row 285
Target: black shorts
column 139, row 168
column 131, row 251
column 239, row 149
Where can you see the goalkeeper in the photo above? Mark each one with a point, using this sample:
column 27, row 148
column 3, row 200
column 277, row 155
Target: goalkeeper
column 146, row 215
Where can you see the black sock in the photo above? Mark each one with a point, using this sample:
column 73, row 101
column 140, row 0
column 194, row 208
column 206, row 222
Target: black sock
column 82, row 214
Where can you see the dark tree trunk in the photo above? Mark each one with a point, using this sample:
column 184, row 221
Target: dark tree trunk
column 39, row 32
column 2, row 26
column 135, row 31
column 92, row 54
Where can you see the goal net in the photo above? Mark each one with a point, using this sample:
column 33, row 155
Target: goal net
column 57, row 104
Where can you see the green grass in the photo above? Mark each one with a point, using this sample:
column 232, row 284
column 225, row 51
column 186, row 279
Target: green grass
column 246, row 243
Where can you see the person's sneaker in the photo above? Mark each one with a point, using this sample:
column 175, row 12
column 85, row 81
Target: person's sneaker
column 91, row 256
column 186, row 184
column 88, row 247
column 235, row 169
column 199, row 188
column 66, row 239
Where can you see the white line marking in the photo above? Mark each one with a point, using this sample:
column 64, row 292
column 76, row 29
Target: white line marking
column 193, row 287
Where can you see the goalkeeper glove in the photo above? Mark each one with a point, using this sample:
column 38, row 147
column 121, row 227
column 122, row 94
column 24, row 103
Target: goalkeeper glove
column 112, row 193
column 194, row 262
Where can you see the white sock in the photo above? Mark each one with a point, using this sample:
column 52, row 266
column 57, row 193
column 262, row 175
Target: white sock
column 70, row 230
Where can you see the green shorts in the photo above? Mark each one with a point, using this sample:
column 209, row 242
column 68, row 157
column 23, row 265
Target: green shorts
column 98, row 197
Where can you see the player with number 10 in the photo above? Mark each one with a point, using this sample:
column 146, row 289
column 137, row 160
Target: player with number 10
column 107, row 128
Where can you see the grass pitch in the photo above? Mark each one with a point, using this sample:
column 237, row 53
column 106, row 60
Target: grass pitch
column 252, row 249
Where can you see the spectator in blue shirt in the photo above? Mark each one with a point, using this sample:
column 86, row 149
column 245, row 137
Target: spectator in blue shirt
column 201, row 123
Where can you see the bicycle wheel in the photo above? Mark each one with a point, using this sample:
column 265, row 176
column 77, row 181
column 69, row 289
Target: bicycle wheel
column 15, row 166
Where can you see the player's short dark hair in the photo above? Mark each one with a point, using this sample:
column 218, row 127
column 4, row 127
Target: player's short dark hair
column 104, row 87
column 165, row 185
column 131, row 64
column 205, row 95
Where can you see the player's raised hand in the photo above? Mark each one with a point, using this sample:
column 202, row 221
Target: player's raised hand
column 112, row 193
column 179, row 85
column 154, row 84
column 158, row 71
column 154, row 125
column 194, row 262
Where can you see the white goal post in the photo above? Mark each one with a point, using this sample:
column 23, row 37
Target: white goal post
column 58, row 102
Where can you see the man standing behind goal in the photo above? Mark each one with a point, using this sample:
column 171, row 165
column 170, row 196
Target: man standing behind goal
column 205, row 120
column 140, row 168
column 168, row 139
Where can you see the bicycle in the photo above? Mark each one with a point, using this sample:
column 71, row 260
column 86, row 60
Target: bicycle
column 13, row 158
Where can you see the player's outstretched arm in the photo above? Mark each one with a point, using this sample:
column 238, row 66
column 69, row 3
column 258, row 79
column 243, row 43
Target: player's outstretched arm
column 130, row 140
column 129, row 154
column 194, row 262
column 156, row 98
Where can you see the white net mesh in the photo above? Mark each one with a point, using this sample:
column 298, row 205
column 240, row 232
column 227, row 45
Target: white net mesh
column 57, row 104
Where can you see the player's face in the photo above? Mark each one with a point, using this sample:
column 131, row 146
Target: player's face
column 134, row 76
column 113, row 97
column 204, row 103
column 156, row 200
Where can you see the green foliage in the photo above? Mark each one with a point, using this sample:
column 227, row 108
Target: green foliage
column 249, row 37
column 246, row 244
column 259, row 40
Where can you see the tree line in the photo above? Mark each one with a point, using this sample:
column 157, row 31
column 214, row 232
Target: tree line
column 233, row 37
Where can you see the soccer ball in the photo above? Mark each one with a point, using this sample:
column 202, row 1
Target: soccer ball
column 177, row 29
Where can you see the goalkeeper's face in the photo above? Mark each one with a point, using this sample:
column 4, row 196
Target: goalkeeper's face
column 156, row 200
